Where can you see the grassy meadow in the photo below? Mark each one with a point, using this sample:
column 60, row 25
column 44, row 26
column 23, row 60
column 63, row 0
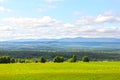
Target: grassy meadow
column 61, row 71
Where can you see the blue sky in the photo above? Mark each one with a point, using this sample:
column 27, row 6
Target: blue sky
column 36, row 19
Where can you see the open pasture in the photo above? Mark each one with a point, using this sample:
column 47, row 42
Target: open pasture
column 61, row 71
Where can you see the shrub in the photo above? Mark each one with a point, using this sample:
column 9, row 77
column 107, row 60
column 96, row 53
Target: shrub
column 5, row 59
column 12, row 60
column 72, row 59
column 85, row 59
column 58, row 59
column 42, row 60
column 28, row 61
column 36, row 61
column 21, row 60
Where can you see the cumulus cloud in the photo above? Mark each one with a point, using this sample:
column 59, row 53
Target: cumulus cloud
column 31, row 28
column 2, row 9
column 46, row 8
column 6, row 32
column 45, row 21
column 47, row 27
column 107, row 17
column 1, row 0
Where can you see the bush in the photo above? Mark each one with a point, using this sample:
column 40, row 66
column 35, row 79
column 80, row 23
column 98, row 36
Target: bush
column 85, row 59
column 35, row 60
column 5, row 59
column 21, row 60
column 58, row 59
column 42, row 60
column 12, row 60
column 72, row 59
column 28, row 61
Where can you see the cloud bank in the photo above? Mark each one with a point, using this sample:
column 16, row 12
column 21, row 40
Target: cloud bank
column 104, row 25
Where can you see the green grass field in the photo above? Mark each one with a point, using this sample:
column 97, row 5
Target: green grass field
column 61, row 71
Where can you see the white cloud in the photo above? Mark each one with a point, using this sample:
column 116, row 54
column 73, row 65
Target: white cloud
column 47, row 27
column 1, row 0
column 46, row 8
column 32, row 27
column 2, row 9
column 45, row 21
column 6, row 32
column 107, row 17
column 85, row 20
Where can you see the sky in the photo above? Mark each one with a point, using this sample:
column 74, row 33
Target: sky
column 55, row 19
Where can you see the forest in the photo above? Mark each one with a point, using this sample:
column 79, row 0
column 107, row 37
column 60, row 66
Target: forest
column 94, row 55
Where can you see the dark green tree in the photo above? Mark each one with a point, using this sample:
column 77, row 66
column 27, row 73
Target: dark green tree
column 72, row 59
column 5, row 59
column 58, row 59
column 42, row 60
column 21, row 60
column 12, row 60
column 28, row 61
column 85, row 59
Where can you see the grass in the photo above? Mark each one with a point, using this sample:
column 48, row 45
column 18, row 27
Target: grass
column 61, row 71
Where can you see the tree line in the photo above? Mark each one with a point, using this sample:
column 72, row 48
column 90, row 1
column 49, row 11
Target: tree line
column 49, row 55
column 56, row 59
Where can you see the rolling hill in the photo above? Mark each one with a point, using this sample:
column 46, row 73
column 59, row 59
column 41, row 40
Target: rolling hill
column 60, row 44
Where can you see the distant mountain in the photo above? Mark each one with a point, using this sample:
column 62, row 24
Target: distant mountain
column 78, row 39
column 60, row 44
column 89, row 40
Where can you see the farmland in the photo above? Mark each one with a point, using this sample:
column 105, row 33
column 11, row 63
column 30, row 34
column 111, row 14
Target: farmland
column 61, row 71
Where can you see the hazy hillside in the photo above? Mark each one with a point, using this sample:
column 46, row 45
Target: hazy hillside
column 61, row 44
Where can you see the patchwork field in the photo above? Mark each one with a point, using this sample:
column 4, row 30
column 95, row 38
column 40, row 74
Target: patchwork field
column 61, row 71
